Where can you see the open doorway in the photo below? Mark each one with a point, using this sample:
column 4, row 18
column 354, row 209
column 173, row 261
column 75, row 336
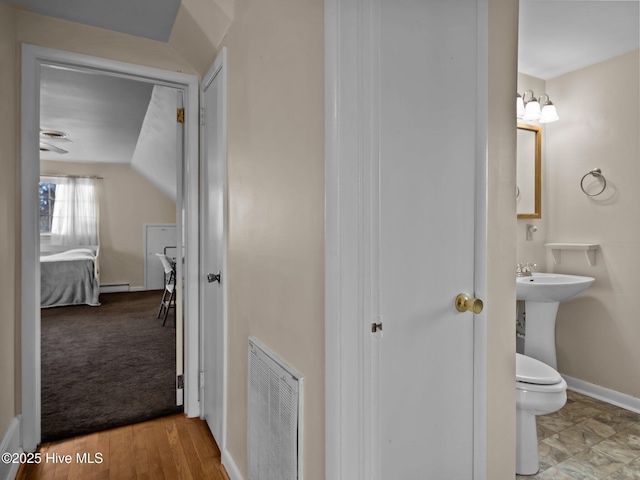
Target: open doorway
column 107, row 216
column 36, row 61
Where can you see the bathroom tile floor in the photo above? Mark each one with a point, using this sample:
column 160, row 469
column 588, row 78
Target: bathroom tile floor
column 588, row 439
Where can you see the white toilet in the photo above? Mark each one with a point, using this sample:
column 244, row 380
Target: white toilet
column 539, row 390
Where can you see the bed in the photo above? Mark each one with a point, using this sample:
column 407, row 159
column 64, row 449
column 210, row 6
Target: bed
column 70, row 278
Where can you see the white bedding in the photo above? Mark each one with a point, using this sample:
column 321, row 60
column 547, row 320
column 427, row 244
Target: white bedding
column 69, row 278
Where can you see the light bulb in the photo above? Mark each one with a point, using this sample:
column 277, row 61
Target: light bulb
column 549, row 113
column 532, row 110
column 519, row 106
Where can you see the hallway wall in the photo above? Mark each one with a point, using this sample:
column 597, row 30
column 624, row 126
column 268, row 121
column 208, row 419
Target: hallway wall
column 501, row 244
column 276, row 210
column 9, row 249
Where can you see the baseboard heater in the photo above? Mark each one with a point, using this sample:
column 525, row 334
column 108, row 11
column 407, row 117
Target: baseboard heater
column 275, row 410
column 123, row 287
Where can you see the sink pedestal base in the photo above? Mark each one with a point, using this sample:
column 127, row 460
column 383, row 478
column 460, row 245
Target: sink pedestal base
column 540, row 331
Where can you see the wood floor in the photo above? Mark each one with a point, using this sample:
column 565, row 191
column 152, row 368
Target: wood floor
column 171, row 448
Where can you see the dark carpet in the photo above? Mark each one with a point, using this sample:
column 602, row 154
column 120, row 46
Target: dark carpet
column 108, row 366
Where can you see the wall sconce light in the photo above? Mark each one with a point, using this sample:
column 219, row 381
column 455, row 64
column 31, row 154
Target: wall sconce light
column 549, row 113
column 530, row 109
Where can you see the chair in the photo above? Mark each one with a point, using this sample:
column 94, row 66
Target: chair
column 169, row 295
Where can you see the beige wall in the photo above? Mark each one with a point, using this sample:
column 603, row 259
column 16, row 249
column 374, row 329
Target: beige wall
column 599, row 108
column 276, row 172
column 533, row 251
column 599, row 126
column 8, row 210
column 501, row 242
column 199, row 28
column 73, row 37
column 127, row 201
column 276, row 210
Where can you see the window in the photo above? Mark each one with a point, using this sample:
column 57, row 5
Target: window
column 47, row 199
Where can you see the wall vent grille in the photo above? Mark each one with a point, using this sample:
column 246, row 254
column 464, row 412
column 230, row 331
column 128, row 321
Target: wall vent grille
column 275, row 394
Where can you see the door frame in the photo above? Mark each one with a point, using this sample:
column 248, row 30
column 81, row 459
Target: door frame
column 351, row 240
column 33, row 57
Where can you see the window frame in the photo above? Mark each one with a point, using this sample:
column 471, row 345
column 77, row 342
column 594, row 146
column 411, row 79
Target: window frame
column 48, row 181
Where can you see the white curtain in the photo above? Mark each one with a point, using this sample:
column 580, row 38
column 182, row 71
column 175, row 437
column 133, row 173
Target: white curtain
column 75, row 212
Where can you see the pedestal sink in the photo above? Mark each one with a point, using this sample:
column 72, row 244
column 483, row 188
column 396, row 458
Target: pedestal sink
column 542, row 294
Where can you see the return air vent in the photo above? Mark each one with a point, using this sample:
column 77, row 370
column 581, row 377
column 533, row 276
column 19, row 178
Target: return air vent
column 275, row 394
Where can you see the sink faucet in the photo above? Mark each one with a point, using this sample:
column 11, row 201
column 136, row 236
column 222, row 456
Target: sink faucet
column 524, row 270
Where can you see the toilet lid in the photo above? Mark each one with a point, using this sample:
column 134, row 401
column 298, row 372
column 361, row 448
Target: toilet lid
column 530, row 370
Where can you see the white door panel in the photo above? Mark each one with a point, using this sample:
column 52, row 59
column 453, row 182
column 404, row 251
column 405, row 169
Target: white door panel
column 406, row 139
column 427, row 211
column 213, row 246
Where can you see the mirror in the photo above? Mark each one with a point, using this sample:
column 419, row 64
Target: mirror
column 528, row 171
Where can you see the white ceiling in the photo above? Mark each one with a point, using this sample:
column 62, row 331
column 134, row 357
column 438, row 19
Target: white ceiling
column 560, row 36
column 144, row 18
column 102, row 114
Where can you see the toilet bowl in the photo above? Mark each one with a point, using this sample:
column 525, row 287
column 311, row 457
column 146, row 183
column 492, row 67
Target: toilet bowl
column 539, row 390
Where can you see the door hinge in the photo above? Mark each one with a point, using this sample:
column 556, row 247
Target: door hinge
column 180, row 382
column 201, row 116
column 181, row 115
column 376, row 327
column 201, row 379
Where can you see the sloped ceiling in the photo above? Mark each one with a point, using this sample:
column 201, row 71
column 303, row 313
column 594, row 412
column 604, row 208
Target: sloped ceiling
column 109, row 119
column 101, row 114
column 143, row 18
column 156, row 150
column 561, row 36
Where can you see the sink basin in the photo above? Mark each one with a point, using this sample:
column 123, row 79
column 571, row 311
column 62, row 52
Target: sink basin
column 551, row 287
column 542, row 294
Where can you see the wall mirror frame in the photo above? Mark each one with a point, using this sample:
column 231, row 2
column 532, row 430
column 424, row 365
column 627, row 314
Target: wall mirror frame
column 529, row 171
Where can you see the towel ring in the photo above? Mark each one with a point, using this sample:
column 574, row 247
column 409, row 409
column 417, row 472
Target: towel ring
column 596, row 172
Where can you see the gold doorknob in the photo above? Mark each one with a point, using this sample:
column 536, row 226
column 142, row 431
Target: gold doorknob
column 465, row 303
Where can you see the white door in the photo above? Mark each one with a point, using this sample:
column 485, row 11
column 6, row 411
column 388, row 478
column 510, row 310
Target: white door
column 428, row 85
column 213, row 245
column 427, row 138
column 158, row 239
column 405, row 178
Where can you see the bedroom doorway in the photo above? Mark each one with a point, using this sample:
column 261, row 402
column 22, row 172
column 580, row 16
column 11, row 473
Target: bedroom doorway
column 39, row 64
column 108, row 169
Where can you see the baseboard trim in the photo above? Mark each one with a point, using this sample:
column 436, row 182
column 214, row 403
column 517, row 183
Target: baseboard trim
column 230, row 466
column 613, row 397
column 11, row 444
